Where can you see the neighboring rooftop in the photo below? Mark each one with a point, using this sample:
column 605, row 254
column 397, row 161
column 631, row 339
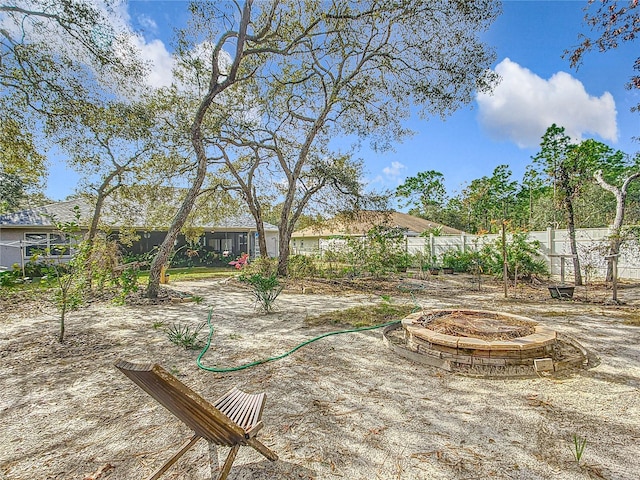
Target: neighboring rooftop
column 362, row 222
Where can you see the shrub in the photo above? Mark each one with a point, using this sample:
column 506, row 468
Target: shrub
column 460, row 261
column 185, row 336
column 301, row 266
column 522, row 257
column 265, row 289
column 262, row 265
column 9, row 278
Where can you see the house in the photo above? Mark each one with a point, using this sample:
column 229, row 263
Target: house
column 316, row 238
column 32, row 232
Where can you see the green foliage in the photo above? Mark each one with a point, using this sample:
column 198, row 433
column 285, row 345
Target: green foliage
column 128, row 282
column 301, row 266
column 265, row 289
column 198, row 299
column 262, row 265
column 22, row 168
column 522, row 257
column 12, row 191
column 467, row 261
column 425, row 194
column 9, row 278
column 578, row 446
column 68, row 293
column 424, row 261
column 488, row 199
column 384, row 251
column 185, row 336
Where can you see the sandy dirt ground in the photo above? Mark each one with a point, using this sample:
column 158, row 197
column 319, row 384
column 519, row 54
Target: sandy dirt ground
column 342, row 407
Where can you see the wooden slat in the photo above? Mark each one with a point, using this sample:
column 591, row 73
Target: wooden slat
column 243, row 408
column 198, row 414
column 233, row 420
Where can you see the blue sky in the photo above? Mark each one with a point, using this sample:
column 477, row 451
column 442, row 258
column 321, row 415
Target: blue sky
column 538, row 88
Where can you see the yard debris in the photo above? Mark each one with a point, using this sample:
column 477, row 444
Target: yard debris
column 103, row 470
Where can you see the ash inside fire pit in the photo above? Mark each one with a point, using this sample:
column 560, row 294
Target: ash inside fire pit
column 483, row 325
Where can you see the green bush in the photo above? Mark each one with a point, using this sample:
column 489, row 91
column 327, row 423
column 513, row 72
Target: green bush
column 523, row 260
column 261, row 265
column 265, row 289
column 460, row 261
column 9, row 278
column 301, row 266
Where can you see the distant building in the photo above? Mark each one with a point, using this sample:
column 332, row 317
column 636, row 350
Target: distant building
column 316, row 238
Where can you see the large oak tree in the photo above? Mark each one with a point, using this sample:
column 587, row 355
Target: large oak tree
column 316, row 71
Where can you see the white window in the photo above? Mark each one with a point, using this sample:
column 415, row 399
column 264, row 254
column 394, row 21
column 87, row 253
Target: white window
column 227, row 244
column 49, row 244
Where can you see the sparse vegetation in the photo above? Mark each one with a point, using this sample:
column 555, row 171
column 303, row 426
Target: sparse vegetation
column 364, row 316
column 578, row 447
column 265, row 289
column 185, row 336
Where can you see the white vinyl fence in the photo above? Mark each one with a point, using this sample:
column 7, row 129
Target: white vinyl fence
column 554, row 247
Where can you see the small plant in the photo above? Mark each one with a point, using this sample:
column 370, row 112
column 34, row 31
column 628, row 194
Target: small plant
column 198, row 299
column 579, row 444
column 185, row 336
column 265, row 289
column 157, row 325
column 128, row 280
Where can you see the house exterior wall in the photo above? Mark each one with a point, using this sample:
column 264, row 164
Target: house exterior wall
column 272, row 244
column 12, row 243
column 305, row 245
column 10, row 247
column 17, row 248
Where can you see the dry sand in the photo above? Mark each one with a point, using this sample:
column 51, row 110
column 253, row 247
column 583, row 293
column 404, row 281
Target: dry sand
column 342, row 407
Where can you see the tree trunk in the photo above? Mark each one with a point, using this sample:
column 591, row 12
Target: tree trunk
column 198, row 145
column 621, row 198
column 262, row 240
column 257, row 216
column 165, row 249
column 63, row 312
column 567, row 202
column 571, row 226
column 283, row 252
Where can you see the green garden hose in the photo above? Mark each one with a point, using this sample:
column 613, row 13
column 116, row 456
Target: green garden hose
column 271, row 359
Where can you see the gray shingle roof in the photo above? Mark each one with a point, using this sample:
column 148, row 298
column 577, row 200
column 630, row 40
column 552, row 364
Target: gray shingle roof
column 64, row 212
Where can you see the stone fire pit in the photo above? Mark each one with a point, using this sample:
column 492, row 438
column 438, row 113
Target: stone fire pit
column 479, row 342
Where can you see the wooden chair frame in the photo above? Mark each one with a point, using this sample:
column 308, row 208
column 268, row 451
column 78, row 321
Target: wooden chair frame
column 231, row 421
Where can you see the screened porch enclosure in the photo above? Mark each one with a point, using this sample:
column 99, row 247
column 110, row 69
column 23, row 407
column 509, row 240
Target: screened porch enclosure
column 211, row 248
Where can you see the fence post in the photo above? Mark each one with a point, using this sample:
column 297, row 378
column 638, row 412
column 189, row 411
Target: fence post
column 432, row 246
column 550, row 248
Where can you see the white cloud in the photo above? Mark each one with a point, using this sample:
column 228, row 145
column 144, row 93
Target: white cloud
column 394, row 172
column 524, row 105
column 160, row 61
column 148, row 23
column 390, row 175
